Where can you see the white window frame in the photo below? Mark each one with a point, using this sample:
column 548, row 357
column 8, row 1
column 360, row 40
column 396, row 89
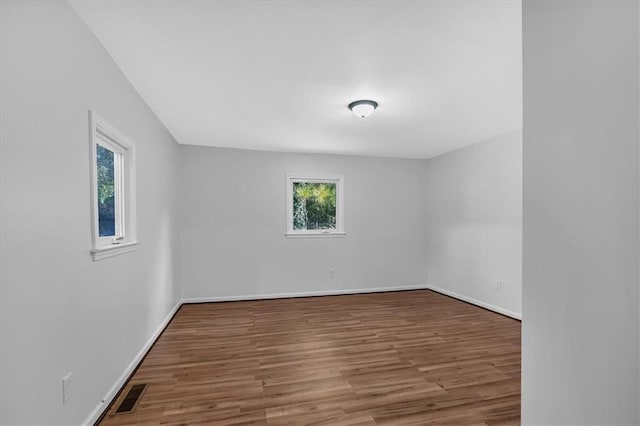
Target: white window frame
column 125, row 241
column 314, row 233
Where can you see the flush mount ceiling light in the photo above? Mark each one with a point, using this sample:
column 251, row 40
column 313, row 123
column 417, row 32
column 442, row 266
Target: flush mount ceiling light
column 363, row 108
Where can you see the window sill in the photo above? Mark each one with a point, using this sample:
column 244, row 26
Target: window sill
column 315, row 234
column 114, row 250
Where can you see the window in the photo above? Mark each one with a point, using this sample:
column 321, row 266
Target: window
column 314, row 206
column 112, row 190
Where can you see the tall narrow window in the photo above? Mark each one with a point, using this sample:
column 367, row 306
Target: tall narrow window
column 108, row 212
column 113, row 202
column 314, row 206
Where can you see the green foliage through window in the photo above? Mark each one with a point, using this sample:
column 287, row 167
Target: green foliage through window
column 106, row 192
column 314, row 205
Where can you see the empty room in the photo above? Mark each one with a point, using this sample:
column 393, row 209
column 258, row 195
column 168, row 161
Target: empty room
column 319, row 212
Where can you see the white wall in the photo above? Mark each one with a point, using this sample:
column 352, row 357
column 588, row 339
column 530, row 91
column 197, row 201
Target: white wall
column 580, row 282
column 234, row 219
column 474, row 222
column 61, row 312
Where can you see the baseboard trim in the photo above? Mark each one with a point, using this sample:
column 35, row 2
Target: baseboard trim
column 131, row 368
column 303, row 294
column 476, row 302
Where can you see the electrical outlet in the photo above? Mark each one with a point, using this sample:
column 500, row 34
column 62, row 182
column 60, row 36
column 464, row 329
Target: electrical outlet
column 66, row 388
column 332, row 273
column 499, row 285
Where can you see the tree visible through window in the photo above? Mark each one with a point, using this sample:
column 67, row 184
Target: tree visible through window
column 106, row 192
column 113, row 190
column 314, row 205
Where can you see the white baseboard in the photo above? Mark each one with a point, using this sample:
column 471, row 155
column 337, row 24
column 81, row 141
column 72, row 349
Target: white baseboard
column 476, row 302
column 97, row 412
column 302, row 294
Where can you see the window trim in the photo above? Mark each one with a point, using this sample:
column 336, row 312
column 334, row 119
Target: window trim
column 104, row 134
column 339, row 231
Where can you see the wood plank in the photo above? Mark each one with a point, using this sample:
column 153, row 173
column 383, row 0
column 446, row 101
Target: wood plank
column 402, row 358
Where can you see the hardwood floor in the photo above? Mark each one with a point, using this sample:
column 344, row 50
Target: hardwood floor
column 401, row 358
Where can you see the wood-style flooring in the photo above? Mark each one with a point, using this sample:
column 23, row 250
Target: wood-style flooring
column 400, row 358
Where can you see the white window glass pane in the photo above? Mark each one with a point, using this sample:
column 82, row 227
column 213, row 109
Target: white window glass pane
column 106, row 192
column 314, row 205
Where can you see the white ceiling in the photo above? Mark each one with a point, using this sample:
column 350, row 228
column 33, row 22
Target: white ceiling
column 278, row 75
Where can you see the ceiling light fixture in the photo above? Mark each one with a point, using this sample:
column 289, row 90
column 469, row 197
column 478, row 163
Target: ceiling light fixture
column 363, row 108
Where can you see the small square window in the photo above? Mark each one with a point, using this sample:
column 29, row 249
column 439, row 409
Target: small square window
column 112, row 190
column 314, row 206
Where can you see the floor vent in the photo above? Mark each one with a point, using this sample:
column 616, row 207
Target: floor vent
column 130, row 401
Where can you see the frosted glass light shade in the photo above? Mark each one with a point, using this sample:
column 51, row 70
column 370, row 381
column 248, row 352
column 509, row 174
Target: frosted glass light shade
column 363, row 108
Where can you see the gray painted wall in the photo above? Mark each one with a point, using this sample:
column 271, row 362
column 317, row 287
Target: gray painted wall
column 580, row 269
column 234, row 219
column 474, row 222
column 60, row 311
